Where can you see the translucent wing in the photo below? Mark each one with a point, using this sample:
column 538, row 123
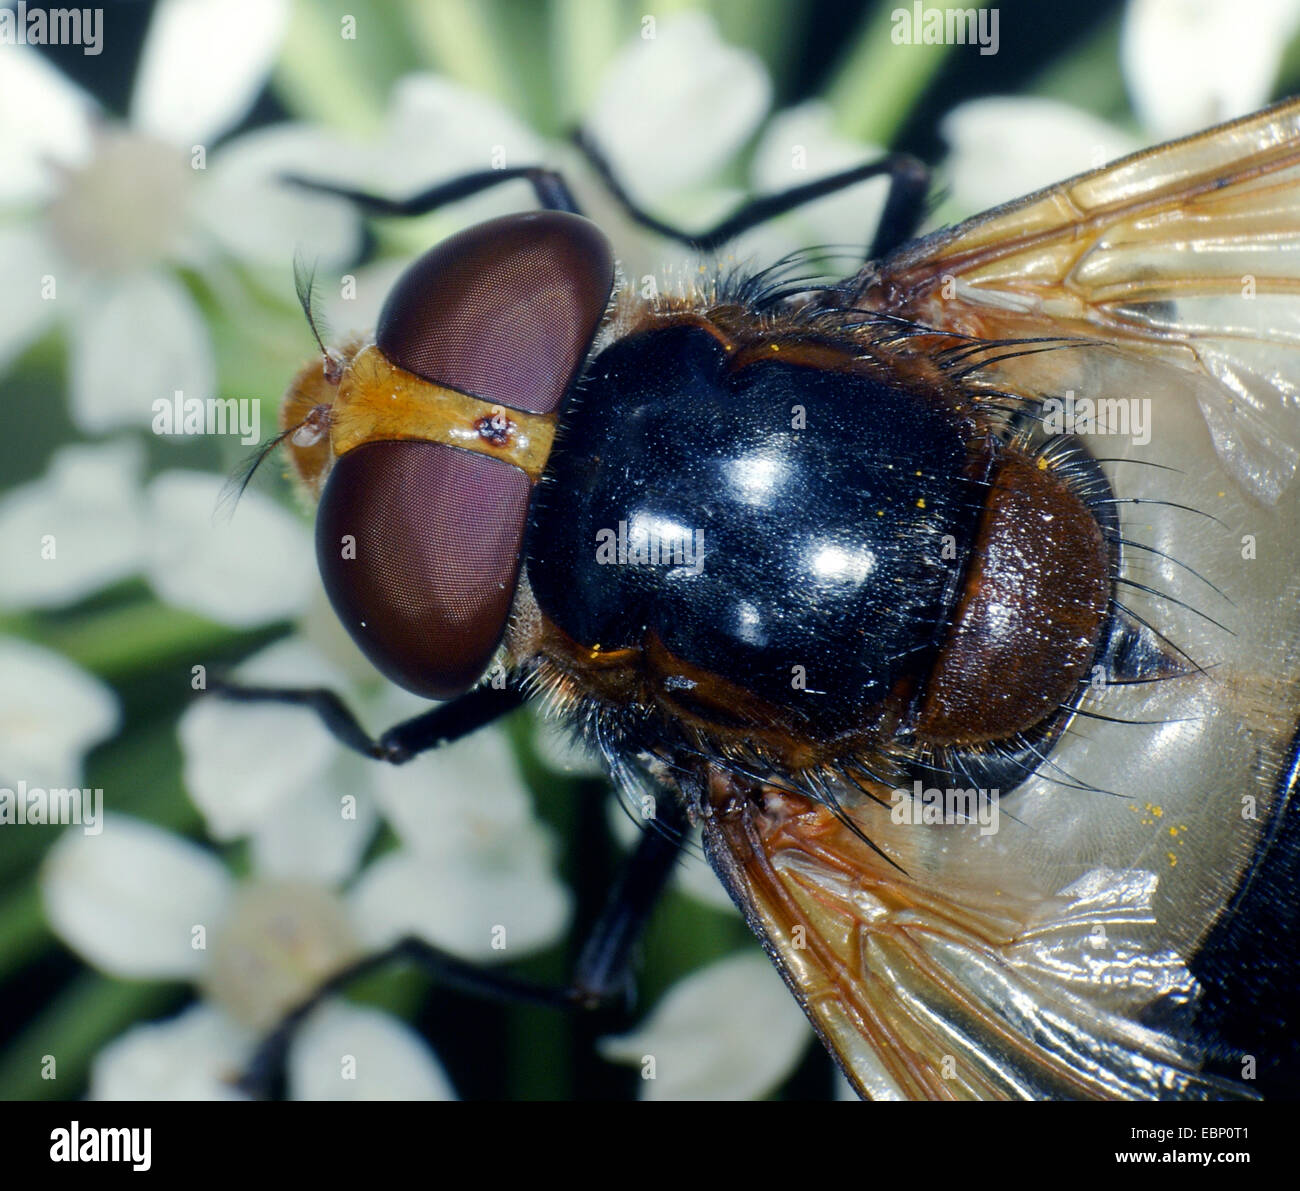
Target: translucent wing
column 1187, row 254
column 935, row 985
column 1128, row 928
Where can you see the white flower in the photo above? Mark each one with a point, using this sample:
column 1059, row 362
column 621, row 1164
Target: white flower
column 670, row 112
column 475, row 873
column 86, row 524
column 730, row 1031
column 195, row 1055
column 141, row 903
column 51, row 713
column 347, row 1052
column 125, row 205
column 1187, row 64
column 1001, row 149
column 76, row 529
column 673, row 108
column 248, row 568
column 246, row 765
column 129, row 899
column 800, row 145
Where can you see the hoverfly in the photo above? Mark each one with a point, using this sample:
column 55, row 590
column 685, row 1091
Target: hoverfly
column 983, row 697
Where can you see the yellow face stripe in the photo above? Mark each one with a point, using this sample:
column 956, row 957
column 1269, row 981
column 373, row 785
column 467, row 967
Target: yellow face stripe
column 379, row 402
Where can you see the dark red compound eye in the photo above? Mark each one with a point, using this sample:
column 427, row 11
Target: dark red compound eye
column 419, row 543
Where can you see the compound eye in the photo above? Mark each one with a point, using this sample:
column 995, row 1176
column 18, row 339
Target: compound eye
column 505, row 310
column 418, row 541
column 418, row 546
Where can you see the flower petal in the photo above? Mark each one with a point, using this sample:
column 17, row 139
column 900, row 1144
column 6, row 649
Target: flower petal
column 457, row 798
column 487, row 905
column 26, row 258
column 730, row 1031
column 321, row 832
column 438, row 129
column 257, row 218
column 243, row 761
column 673, row 108
column 118, row 372
column 73, row 531
column 204, row 64
column 1192, row 63
column 1004, row 148
column 51, row 712
column 196, row 1055
column 128, row 900
column 32, row 150
column 347, row 1052
column 800, row 145
column 254, row 568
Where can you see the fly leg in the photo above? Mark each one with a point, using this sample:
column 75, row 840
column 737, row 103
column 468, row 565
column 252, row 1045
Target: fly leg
column 602, row 976
column 552, row 191
column 440, row 725
column 909, row 182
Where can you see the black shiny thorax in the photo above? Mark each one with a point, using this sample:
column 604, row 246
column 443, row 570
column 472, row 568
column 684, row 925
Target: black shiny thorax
column 783, row 527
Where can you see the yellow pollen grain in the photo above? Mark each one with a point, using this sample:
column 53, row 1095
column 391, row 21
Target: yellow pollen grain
column 920, row 504
column 1042, row 463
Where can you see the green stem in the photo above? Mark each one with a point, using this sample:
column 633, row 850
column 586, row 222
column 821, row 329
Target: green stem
column 129, row 638
column 462, row 39
column 23, row 931
column 584, row 39
column 1089, row 76
column 877, row 82
column 89, row 1012
column 764, row 26
column 324, row 76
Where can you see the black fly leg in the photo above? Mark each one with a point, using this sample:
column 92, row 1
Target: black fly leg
column 909, row 182
column 440, row 725
column 553, row 193
column 602, row 978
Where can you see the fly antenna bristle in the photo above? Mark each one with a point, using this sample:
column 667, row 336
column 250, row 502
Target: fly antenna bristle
column 304, row 283
column 306, row 433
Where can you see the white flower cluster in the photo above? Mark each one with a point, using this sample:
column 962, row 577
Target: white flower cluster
column 111, row 223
